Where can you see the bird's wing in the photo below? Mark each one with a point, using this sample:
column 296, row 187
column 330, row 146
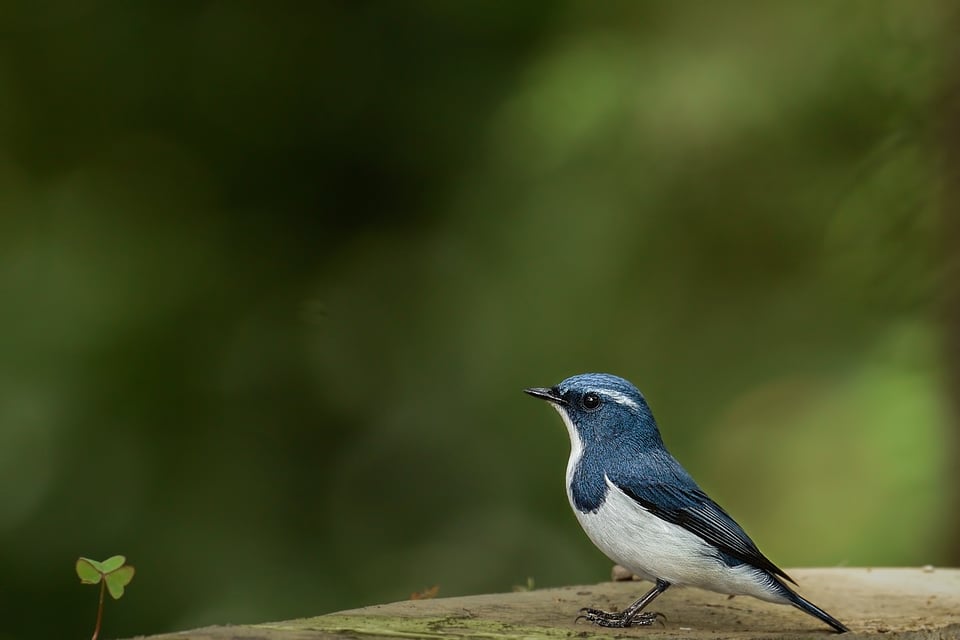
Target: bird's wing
column 692, row 509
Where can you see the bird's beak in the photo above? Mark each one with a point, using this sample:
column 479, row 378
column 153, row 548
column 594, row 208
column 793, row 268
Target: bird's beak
column 550, row 395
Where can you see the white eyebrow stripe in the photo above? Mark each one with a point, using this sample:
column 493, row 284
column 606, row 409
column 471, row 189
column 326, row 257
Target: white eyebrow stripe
column 621, row 398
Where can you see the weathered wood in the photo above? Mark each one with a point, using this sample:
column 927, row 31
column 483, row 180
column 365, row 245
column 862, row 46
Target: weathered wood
column 914, row 604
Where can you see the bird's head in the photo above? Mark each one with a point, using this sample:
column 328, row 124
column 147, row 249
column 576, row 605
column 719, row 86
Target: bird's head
column 602, row 410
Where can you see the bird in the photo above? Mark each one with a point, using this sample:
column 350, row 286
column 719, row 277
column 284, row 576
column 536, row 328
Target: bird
column 645, row 512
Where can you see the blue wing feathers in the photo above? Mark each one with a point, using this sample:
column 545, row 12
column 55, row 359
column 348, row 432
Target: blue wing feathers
column 684, row 504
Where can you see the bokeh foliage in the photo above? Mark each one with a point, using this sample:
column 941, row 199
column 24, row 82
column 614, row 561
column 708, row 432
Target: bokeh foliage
column 274, row 274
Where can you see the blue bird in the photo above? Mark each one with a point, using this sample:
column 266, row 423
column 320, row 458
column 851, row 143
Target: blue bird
column 645, row 512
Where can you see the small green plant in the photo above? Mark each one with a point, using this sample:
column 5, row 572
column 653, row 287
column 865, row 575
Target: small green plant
column 525, row 587
column 113, row 575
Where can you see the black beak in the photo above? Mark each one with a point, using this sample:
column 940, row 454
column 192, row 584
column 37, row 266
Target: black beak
column 550, row 395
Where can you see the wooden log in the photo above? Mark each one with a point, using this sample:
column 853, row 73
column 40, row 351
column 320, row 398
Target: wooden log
column 913, row 604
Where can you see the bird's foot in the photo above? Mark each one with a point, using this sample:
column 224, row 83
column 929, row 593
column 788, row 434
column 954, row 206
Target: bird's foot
column 619, row 620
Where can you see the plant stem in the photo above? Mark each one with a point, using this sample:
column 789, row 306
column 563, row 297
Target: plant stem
column 96, row 631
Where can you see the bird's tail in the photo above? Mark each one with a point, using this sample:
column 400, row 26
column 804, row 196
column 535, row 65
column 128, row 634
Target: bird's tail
column 808, row 607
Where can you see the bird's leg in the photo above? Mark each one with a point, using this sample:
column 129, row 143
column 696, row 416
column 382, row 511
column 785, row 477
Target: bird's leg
column 630, row 616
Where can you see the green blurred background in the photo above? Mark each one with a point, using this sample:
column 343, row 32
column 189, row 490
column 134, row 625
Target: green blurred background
column 274, row 274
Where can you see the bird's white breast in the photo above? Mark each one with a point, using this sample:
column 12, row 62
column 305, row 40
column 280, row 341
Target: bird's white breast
column 653, row 548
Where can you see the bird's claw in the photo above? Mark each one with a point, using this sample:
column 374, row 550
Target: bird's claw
column 618, row 620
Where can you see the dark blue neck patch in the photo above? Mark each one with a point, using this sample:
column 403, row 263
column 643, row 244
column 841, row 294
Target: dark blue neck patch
column 612, row 451
column 588, row 487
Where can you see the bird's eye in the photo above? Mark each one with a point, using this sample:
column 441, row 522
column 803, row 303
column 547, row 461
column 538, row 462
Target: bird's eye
column 590, row 401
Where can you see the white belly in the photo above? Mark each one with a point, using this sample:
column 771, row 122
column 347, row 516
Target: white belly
column 652, row 548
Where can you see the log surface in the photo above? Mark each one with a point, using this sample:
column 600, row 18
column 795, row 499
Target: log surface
column 893, row 604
